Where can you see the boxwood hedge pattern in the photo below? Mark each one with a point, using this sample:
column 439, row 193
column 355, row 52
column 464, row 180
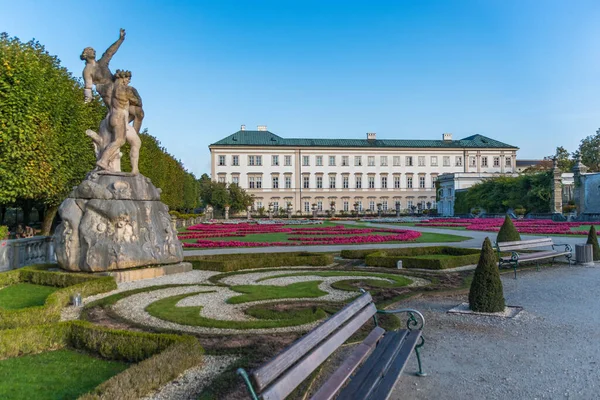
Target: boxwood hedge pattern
column 160, row 358
column 71, row 283
column 450, row 257
column 236, row 262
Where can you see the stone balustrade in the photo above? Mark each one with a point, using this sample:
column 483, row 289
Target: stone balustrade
column 19, row 253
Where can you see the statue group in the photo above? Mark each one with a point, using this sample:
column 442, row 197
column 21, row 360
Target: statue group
column 124, row 106
column 114, row 220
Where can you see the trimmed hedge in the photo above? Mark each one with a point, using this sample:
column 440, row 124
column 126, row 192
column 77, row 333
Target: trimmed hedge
column 72, row 283
column 161, row 357
column 389, row 258
column 236, row 262
column 486, row 293
column 508, row 232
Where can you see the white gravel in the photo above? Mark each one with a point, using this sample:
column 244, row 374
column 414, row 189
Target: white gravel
column 214, row 306
column 190, row 384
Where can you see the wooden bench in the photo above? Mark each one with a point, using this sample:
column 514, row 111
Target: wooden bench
column 382, row 355
column 515, row 258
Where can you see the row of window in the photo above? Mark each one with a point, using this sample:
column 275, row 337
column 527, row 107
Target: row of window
column 358, row 161
column 358, row 206
column 255, row 182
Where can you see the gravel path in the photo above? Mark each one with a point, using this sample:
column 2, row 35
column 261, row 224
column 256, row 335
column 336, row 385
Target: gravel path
column 189, row 385
column 551, row 350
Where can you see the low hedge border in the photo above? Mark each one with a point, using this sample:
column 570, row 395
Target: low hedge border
column 236, row 262
column 72, row 283
column 389, row 258
column 160, row 358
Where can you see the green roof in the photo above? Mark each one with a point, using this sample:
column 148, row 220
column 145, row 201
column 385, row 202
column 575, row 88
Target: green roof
column 266, row 138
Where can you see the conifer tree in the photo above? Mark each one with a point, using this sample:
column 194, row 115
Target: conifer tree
column 508, row 232
column 593, row 240
column 486, row 294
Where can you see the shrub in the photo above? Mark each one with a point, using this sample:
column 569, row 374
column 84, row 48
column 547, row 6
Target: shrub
column 389, row 258
column 86, row 285
column 235, row 262
column 160, row 357
column 486, row 294
column 508, row 232
column 593, row 240
column 3, row 232
column 355, row 254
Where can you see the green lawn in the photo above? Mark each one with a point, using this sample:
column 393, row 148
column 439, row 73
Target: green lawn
column 167, row 310
column 23, row 295
column 298, row 290
column 61, row 374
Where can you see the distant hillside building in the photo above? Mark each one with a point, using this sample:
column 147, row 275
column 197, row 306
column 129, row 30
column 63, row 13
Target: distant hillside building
column 350, row 173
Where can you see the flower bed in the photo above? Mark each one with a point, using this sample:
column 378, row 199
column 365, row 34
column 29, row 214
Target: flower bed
column 533, row 226
column 330, row 235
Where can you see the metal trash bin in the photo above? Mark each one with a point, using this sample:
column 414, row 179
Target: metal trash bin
column 584, row 254
column 76, row 300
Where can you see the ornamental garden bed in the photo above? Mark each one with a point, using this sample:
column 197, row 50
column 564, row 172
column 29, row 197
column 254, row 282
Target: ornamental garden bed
column 527, row 226
column 435, row 257
column 79, row 360
column 225, row 235
column 35, row 295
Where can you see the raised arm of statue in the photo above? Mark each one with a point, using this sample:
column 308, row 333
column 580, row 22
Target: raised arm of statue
column 110, row 52
column 88, row 81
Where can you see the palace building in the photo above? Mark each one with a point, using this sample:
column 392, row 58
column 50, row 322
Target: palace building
column 350, row 174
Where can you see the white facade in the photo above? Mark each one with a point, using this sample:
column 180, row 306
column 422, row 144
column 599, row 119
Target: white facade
column 371, row 172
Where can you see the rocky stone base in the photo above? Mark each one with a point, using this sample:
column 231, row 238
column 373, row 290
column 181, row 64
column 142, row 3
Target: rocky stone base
column 115, row 221
column 139, row 274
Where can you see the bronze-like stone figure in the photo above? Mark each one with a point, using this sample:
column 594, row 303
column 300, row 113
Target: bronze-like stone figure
column 98, row 73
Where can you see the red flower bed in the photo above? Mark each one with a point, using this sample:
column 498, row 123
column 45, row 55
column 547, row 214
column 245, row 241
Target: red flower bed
column 532, row 226
column 332, row 235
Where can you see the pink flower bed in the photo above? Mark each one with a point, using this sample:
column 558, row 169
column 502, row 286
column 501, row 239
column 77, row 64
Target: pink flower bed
column 532, row 226
column 332, row 235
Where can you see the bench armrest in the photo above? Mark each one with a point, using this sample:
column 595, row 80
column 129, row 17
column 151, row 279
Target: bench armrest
column 412, row 322
column 567, row 246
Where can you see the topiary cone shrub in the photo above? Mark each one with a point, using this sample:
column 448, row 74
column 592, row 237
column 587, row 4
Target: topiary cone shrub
column 486, row 294
column 508, row 232
column 593, row 240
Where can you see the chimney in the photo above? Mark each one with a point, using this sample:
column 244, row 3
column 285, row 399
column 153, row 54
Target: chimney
column 262, row 128
column 371, row 136
column 447, row 137
column 243, row 128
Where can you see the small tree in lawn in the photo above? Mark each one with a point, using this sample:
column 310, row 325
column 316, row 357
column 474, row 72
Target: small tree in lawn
column 486, row 294
column 593, row 240
column 508, row 232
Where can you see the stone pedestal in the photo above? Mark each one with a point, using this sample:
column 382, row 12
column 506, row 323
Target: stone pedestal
column 115, row 221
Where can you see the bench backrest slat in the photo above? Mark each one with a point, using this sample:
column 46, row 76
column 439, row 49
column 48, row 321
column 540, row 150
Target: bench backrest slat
column 267, row 373
column 287, row 382
column 525, row 244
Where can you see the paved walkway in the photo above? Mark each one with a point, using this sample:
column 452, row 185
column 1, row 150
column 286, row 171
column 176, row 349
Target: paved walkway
column 475, row 241
column 549, row 351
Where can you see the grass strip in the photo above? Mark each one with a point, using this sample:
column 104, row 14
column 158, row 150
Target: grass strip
column 297, row 290
column 166, row 309
column 397, row 279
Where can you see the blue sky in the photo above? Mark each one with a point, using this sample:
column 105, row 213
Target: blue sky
column 525, row 72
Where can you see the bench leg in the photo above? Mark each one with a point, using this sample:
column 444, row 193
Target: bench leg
column 242, row 372
column 418, row 351
column 515, row 268
column 537, row 266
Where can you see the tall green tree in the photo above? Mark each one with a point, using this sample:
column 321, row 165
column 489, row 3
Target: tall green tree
column 588, row 150
column 44, row 151
column 563, row 158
